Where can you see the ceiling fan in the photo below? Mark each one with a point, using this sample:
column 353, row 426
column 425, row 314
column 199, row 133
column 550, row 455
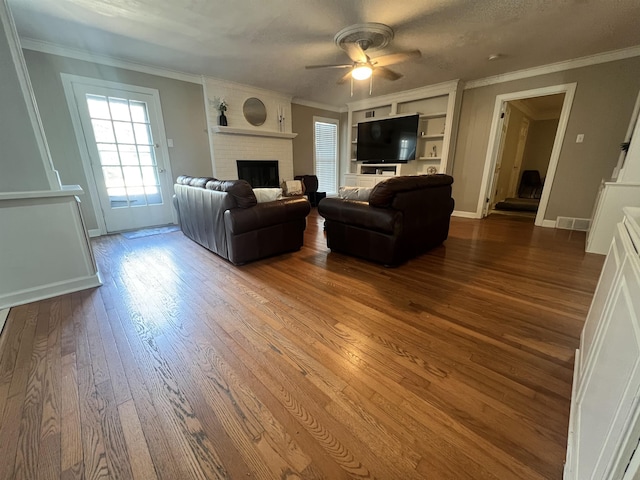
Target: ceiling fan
column 367, row 37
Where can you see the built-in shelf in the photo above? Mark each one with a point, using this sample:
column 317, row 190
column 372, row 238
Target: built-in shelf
column 255, row 133
column 432, row 137
column 435, row 159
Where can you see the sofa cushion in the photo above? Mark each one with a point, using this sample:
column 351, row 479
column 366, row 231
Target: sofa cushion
column 292, row 188
column 240, row 190
column 384, row 192
column 361, row 194
column 264, row 195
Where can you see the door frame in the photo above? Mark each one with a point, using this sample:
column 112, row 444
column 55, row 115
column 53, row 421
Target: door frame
column 569, row 90
column 68, row 81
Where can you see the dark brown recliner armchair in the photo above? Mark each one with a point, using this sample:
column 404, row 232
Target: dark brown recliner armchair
column 404, row 217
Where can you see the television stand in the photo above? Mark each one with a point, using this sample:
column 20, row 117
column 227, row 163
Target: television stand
column 370, row 174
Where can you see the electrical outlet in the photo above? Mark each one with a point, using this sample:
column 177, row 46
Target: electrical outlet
column 580, row 138
column 170, row 142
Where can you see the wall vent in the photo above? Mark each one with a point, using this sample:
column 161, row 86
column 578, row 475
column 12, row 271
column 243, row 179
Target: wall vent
column 570, row 223
column 370, row 114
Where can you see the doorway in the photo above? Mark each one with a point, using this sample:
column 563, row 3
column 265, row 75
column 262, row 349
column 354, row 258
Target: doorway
column 525, row 141
column 120, row 131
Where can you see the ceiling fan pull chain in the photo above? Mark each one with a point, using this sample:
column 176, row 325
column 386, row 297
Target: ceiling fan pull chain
column 352, row 86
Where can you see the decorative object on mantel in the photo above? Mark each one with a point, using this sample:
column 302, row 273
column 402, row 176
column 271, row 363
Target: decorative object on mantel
column 434, row 151
column 221, row 106
column 432, row 170
column 254, row 111
column 281, row 126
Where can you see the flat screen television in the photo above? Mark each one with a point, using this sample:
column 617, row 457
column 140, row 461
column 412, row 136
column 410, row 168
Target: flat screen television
column 390, row 140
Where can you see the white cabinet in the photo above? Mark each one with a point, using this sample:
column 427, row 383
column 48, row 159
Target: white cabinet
column 623, row 190
column 604, row 427
column 437, row 106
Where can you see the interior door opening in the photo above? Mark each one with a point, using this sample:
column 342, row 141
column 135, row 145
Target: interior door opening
column 523, row 160
column 526, row 137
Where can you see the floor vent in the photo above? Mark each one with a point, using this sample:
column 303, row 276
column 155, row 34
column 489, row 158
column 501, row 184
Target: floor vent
column 570, row 223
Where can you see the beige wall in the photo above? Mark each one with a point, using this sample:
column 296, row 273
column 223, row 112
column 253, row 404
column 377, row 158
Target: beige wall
column 302, row 124
column 21, row 164
column 602, row 107
column 182, row 108
column 540, row 139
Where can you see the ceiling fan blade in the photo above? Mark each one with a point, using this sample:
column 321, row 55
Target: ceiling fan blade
column 344, row 78
column 342, row 65
column 385, row 60
column 355, row 52
column 384, row 72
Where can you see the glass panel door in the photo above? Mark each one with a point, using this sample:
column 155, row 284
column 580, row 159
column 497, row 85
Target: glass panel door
column 122, row 141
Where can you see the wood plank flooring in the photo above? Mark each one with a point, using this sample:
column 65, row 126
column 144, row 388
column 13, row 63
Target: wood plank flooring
column 311, row 365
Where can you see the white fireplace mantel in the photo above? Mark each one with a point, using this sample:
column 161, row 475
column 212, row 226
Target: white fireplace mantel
column 247, row 131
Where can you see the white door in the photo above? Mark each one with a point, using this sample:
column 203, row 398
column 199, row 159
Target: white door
column 506, row 113
column 514, row 181
column 120, row 129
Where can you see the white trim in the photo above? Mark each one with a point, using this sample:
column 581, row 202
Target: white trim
column 253, row 132
column 494, row 141
column 20, row 67
column 54, row 49
column 556, row 67
column 67, row 84
column 461, row 214
column 548, row 224
column 319, row 106
column 50, row 290
column 94, row 232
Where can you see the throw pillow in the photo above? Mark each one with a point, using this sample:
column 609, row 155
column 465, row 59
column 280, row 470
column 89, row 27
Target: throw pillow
column 291, row 188
column 360, row 194
column 268, row 194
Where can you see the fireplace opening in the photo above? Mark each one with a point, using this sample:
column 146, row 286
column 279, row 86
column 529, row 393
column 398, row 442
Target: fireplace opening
column 259, row 173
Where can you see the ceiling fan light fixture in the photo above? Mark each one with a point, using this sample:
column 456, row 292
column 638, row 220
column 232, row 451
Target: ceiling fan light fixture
column 361, row 72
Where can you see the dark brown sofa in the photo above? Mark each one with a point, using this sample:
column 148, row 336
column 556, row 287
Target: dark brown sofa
column 404, row 217
column 225, row 217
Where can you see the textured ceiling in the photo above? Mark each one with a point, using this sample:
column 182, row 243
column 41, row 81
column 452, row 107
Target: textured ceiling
column 267, row 43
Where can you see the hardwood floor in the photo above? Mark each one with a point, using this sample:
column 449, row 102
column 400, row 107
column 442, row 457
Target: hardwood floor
column 310, row 365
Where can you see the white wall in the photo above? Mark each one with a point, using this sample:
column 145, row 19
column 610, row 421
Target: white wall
column 226, row 148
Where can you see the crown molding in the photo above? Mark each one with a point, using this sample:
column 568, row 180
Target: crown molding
column 319, row 106
column 54, row 49
column 556, row 67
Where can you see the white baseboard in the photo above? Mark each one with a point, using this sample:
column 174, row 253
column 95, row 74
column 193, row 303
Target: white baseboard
column 94, row 232
column 458, row 213
column 548, row 223
column 42, row 292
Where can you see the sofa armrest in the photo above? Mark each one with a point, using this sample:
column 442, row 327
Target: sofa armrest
column 242, row 220
column 360, row 214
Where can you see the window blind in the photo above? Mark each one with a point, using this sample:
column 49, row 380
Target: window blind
column 326, row 156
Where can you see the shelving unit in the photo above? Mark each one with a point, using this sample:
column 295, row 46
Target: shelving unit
column 437, row 107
